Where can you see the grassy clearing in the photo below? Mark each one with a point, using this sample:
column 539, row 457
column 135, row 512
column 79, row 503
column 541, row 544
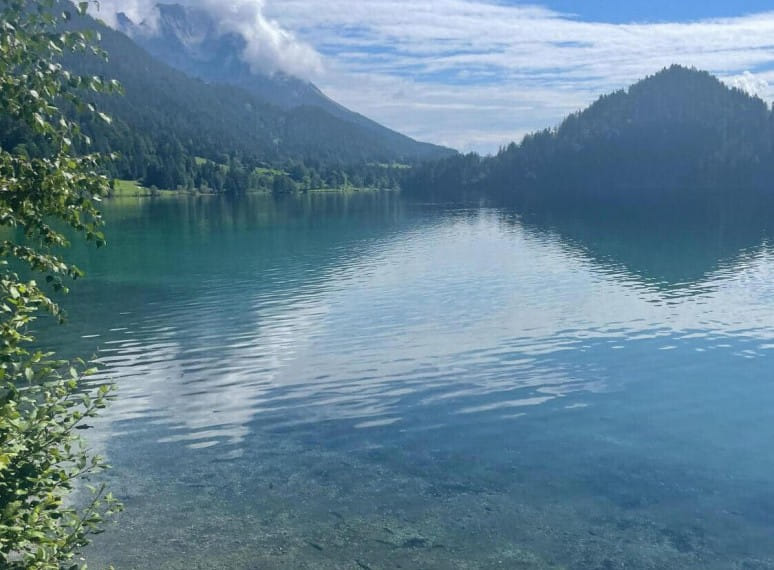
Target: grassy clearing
column 123, row 188
column 133, row 189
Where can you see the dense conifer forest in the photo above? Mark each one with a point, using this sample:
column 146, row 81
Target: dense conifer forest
column 676, row 133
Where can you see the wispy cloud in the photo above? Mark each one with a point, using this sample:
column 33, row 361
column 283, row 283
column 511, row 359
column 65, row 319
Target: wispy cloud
column 475, row 74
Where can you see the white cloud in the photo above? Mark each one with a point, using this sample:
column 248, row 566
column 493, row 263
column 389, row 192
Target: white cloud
column 476, row 74
column 108, row 10
column 753, row 83
column 268, row 46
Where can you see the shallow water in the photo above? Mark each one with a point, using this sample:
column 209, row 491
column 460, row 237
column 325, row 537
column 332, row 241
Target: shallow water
column 354, row 381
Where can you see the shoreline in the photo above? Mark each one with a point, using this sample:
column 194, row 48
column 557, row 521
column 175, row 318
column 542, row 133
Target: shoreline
column 131, row 189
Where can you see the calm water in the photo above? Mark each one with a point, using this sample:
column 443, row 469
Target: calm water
column 358, row 382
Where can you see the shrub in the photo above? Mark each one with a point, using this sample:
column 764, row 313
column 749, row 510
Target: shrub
column 41, row 402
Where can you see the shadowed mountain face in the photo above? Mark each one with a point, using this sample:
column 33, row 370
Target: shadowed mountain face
column 189, row 40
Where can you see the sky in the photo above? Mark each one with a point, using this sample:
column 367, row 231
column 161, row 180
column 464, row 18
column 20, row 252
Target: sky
column 477, row 74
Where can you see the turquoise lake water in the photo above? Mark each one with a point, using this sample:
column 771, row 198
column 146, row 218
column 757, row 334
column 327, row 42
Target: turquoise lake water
column 357, row 381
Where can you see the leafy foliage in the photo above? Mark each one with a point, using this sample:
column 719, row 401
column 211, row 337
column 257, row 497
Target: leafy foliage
column 41, row 191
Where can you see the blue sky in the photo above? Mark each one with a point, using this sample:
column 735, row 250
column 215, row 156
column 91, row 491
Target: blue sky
column 625, row 11
column 477, row 74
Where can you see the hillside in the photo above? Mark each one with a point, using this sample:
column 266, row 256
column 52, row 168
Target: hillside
column 167, row 118
column 676, row 132
column 188, row 39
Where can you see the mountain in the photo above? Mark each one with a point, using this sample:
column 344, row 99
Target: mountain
column 173, row 130
column 675, row 134
column 188, row 39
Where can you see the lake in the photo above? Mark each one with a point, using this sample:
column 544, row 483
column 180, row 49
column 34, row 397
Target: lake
column 358, row 381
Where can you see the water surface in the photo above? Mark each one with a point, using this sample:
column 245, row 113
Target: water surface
column 355, row 381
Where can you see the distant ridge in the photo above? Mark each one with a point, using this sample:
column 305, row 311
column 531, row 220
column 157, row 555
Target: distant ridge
column 677, row 132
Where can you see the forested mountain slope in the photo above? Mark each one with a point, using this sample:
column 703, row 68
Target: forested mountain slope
column 173, row 130
column 190, row 39
column 677, row 132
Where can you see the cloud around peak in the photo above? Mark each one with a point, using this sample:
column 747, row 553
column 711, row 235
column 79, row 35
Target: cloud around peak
column 268, row 47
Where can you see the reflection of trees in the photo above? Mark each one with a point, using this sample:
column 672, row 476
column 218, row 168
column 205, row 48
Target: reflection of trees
column 667, row 248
